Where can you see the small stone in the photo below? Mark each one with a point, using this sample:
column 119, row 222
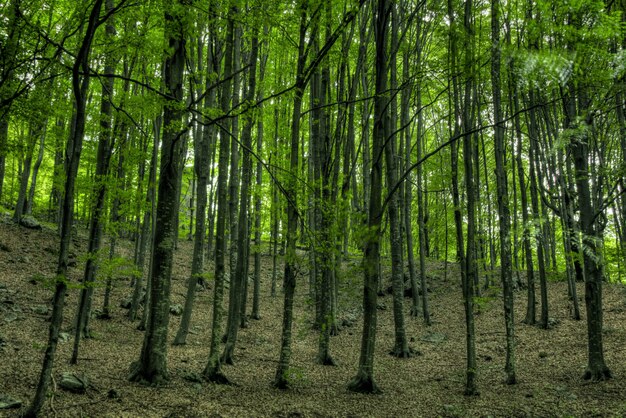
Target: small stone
column 433, row 337
column 10, row 317
column 193, row 377
column 41, row 310
column 6, row 402
column 176, row 310
column 552, row 322
column 30, row 223
column 74, row 382
column 126, row 302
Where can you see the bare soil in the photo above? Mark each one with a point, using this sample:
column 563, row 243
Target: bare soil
column 550, row 363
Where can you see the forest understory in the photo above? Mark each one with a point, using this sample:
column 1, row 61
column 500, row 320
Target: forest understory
column 550, row 362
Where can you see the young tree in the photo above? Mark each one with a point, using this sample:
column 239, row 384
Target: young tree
column 240, row 273
column 212, row 371
column 504, row 215
column 364, row 379
column 80, row 86
column 103, row 158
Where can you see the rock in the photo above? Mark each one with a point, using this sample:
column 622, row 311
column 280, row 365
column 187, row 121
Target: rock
column 176, row 310
column 126, row 302
column 64, row 337
column 193, row 377
column 552, row 322
column 6, row 402
column 30, row 223
column 40, row 309
column 74, row 382
column 433, row 337
column 113, row 394
column 10, row 317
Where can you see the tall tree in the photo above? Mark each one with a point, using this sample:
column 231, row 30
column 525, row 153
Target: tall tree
column 80, row 87
column 213, row 371
column 103, row 159
column 240, row 275
column 364, row 379
column 152, row 364
column 504, row 213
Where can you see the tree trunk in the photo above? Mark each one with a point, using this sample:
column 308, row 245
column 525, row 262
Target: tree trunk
column 33, row 183
column 504, row 214
column 364, row 379
column 103, row 158
column 538, row 230
column 201, row 170
column 80, row 85
column 282, row 378
column 240, row 276
column 152, row 364
column 212, row 371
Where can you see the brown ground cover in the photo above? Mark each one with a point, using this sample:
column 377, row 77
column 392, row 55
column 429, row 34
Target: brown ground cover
column 550, row 362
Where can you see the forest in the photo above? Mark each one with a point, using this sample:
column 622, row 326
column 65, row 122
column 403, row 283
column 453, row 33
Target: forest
column 312, row 208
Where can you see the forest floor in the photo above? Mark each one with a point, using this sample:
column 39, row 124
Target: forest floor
column 550, row 363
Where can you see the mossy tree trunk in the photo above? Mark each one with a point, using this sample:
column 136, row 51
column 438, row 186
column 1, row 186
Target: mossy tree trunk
column 152, row 364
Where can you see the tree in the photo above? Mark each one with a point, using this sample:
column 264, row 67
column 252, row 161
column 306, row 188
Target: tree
column 202, row 138
column 80, row 86
column 240, row 273
column 506, row 273
column 212, row 371
column 364, row 379
column 152, row 364
column 103, row 159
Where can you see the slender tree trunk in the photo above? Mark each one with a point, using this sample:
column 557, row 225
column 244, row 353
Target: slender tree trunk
column 281, row 379
column 538, row 230
column 408, row 193
column 240, row 277
column 256, row 297
column 401, row 345
column 20, row 206
column 504, row 214
column 201, row 170
column 33, row 183
column 103, row 158
column 146, row 227
column 364, row 379
column 469, row 261
column 212, row 371
column 80, row 85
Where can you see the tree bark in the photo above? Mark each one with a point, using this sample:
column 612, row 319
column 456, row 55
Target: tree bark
column 80, row 85
column 152, row 364
column 364, row 379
